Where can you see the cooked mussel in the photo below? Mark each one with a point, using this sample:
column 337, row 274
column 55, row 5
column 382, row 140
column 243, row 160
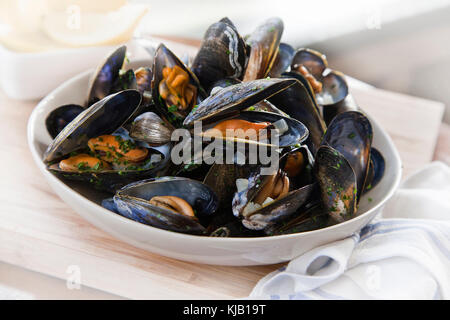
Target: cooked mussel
column 164, row 203
column 230, row 100
column 175, row 89
column 263, row 200
column 91, row 148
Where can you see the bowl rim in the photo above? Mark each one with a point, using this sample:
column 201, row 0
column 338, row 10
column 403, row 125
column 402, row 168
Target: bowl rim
column 32, row 123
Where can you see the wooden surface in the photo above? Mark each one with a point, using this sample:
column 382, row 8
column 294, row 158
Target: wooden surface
column 40, row 232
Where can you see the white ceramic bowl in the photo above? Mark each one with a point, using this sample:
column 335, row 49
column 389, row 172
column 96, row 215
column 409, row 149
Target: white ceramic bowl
column 209, row 250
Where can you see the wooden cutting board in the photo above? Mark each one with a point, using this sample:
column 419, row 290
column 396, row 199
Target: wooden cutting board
column 40, row 232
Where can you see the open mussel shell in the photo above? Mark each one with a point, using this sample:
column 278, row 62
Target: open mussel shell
column 133, row 201
column 337, row 182
column 118, row 175
column 166, row 58
column 222, row 54
column 272, row 212
column 314, row 61
column 264, row 43
column 295, row 133
column 103, row 117
column 60, row 117
column 106, row 75
column 334, row 89
column 230, row 100
column 297, row 103
column 111, row 180
column 282, row 61
column 296, row 164
column 351, row 133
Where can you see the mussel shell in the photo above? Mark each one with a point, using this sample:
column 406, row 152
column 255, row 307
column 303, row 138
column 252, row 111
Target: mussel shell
column 337, row 182
column 106, row 75
column 311, row 218
column 273, row 212
column 282, row 61
column 296, row 134
column 60, row 117
column 111, row 180
column 334, row 89
column 166, row 58
column 313, row 60
column 222, row 83
column 232, row 99
column 297, row 103
column 331, row 111
column 103, row 117
column 280, row 209
column 222, row 54
column 144, row 79
column 350, row 133
column 305, row 83
column 133, row 199
column 377, row 166
column 149, row 127
column 126, row 80
column 264, row 43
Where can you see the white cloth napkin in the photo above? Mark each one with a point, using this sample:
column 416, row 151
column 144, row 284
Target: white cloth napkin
column 404, row 254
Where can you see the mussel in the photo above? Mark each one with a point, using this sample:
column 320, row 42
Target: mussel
column 262, row 200
column 264, row 43
column 91, row 148
column 342, row 163
column 175, row 88
column 171, row 203
column 222, row 54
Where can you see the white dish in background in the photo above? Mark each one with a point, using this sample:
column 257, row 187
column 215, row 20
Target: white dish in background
column 32, row 75
column 221, row 251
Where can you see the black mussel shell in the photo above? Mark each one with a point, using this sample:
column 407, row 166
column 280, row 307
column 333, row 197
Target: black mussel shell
column 232, row 99
column 222, row 54
column 314, row 61
column 106, row 75
column 334, row 89
column 350, row 133
column 103, row 117
column 60, row 117
column 330, row 111
column 133, row 200
column 376, row 169
column 282, row 61
column 297, row 103
column 337, row 182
